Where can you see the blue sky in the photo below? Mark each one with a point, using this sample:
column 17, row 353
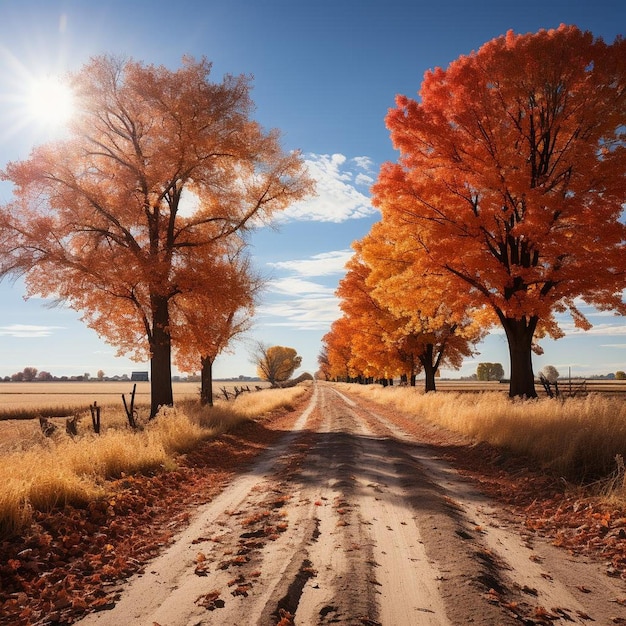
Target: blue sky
column 325, row 73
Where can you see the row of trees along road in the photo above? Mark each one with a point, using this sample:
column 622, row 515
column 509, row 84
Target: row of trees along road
column 505, row 206
column 138, row 218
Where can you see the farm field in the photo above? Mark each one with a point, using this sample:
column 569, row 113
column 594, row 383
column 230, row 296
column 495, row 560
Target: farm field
column 28, row 394
column 79, row 394
column 82, row 394
column 577, row 385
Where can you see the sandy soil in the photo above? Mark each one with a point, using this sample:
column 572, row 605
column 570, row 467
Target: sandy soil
column 349, row 520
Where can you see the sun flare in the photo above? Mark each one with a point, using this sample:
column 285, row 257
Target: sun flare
column 49, row 101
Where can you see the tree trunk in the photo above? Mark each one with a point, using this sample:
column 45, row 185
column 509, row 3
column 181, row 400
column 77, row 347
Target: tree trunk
column 161, row 359
column 519, row 334
column 206, row 378
column 429, row 383
column 430, row 368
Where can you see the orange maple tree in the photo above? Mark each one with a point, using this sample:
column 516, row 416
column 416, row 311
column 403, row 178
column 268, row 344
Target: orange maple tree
column 511, row 179
column 216, row 307
column 440, row 328
column 323, row 360
column 158, row 167
column 369, row 329
column 421, row 333
column 338, row 351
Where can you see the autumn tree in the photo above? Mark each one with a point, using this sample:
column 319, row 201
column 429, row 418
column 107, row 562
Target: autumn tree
column 336, row 345
column 29, row 374
column 420, row 331
column 217, row 307
column 324, row 365
column 434, row 326
column 158, row 167
column 275, row 364
column 378, row 346
column 511, row 178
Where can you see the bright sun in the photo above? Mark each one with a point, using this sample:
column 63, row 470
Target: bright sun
column 49, row 101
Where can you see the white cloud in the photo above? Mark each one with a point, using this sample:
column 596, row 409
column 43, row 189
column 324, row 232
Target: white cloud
column 597, row 329
column 364, row 163
column 364, row 179
column 342, row 190
column 26, row 331
column 322, row 264
column 189, row 203
column 301, row 313
column 621, row 346
column 299, row 302
column 296, row 286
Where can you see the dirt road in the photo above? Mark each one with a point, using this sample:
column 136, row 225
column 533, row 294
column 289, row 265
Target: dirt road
column 348, row 521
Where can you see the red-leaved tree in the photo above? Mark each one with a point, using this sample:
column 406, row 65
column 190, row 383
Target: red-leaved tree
column 512, row 179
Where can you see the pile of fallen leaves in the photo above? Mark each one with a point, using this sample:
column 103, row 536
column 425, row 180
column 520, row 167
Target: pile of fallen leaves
column 73, row 561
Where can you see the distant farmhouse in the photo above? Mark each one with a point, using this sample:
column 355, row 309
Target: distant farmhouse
column 140, row 376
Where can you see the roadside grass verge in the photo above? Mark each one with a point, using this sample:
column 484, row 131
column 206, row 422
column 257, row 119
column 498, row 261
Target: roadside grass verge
column 580, row 439
column 49, row 473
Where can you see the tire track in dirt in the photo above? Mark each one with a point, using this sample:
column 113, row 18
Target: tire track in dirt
column 530, row 579
column 377, row 534
column 427, row 572
column 346, row 521
column 215, row 563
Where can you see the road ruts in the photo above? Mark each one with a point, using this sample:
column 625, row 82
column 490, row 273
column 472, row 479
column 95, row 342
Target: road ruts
column 346, row 521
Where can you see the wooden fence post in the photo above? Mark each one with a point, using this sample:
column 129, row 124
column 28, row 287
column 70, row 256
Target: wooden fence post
column 95, row 417
column 130, row 412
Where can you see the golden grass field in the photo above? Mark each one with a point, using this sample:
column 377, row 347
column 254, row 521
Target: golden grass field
column 77, row 397
column 41, row 473
column 576, row 386
column 22, row 395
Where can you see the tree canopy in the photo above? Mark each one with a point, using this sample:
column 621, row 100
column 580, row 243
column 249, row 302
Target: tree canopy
column 161, row 169
column 431, row 329
column 276, row 364
column 511, row 180
column 490, row 371
column 392, row 325
column 216, row 307
column 335, row 360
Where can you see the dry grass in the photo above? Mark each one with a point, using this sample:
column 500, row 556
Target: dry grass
column 42, row 474
column 15, row 510
column 577, row 437
column 247, row 406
